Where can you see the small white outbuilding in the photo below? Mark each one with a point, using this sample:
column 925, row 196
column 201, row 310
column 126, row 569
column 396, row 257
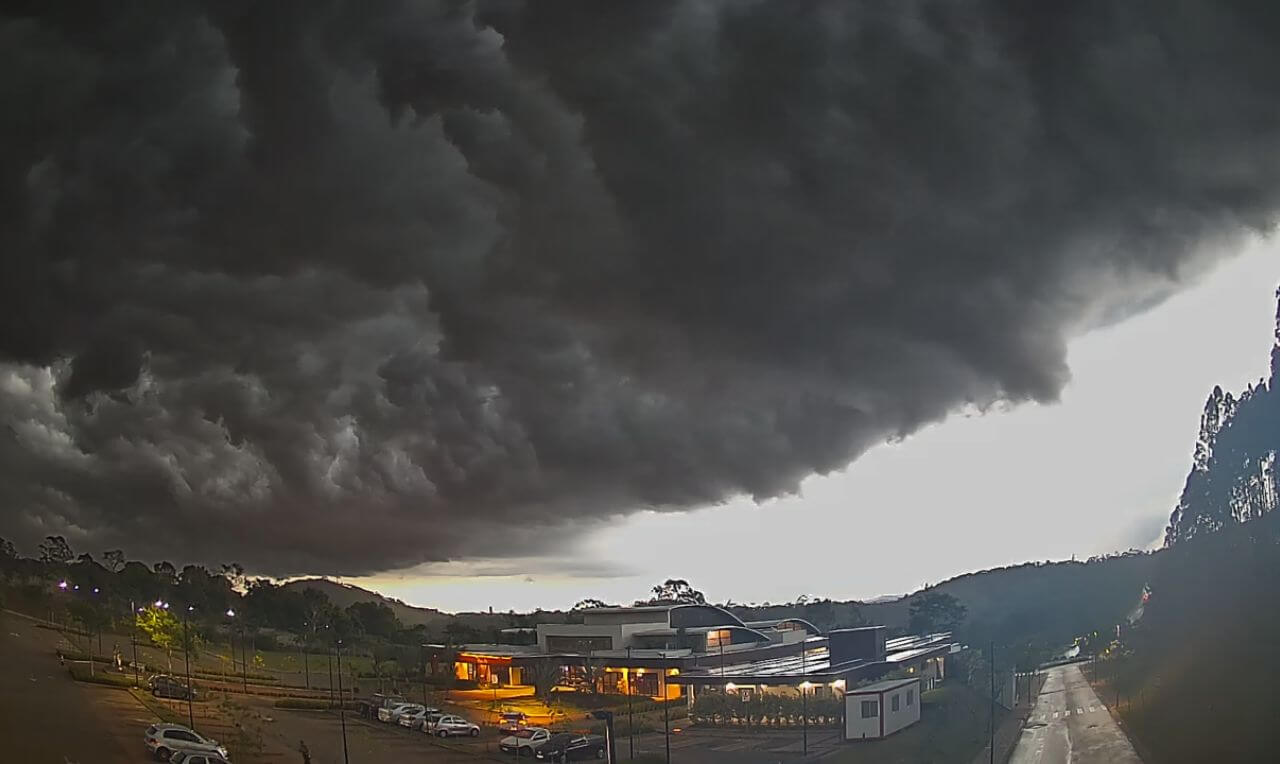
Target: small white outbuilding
column 881, row 709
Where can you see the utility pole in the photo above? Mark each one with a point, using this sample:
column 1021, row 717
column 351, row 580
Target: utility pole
column 133, row 639
column 342, row 713
column 186, row 655
column 666, row 718
column 991, row 660
column 329, row 655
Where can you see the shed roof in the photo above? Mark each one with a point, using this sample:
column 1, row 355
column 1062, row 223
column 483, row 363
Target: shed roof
column 885, row 686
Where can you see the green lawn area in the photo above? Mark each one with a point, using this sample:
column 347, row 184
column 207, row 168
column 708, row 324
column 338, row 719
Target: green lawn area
column 952, row 728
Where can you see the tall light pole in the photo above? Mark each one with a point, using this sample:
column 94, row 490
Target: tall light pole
column 991, row 659
column 342, row 713
column 804, row 693
column 133, row 639
column 666, row 717
column 186, row 655
column 631, row 719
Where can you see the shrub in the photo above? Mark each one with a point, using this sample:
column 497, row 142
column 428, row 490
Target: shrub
column 80, row 673
column 312, row 704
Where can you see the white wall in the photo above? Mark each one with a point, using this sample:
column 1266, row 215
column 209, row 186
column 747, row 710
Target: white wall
column 857, row 728
column 906, row 715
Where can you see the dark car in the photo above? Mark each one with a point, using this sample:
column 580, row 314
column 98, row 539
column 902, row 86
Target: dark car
column 164, row 686
column 571, row 746
column 512, row 722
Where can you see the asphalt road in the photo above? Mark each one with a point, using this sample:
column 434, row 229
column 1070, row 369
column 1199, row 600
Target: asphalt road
column 47, row 717
column 1069, row 725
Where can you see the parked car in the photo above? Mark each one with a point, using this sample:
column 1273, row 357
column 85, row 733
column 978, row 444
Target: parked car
column 392, row 715
column 189, row 757
column 524, row 742
column 450, row 725
column 430, row 719
column 163, row 740
column 414, row 717
column 512, row 722
column 165, row 686
column 370, row 706
column 571, row 746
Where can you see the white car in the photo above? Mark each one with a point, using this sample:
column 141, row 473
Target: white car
column 392, row 715
column 163, row 740
column 187, row 757
column 526, row 741
column 448, row 725
column 414, row 718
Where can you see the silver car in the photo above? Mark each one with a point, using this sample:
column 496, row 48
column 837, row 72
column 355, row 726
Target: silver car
column 414, row 718
column 164, row 740
column 187, row 757
column 449, row 725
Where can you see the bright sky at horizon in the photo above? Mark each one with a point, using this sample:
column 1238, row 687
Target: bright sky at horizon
column 1098, row 471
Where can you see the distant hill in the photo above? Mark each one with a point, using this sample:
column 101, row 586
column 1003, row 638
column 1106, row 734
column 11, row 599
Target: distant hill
column 460, row 627
column 345, row 595
column 1047, row 603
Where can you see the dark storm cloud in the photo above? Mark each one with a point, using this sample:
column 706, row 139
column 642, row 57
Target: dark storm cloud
column 339, row 287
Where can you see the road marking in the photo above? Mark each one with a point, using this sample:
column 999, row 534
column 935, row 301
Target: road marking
column 1055, row 714
column 1079, row 710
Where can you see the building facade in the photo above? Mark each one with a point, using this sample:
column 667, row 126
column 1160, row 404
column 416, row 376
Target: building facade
column 679, row 650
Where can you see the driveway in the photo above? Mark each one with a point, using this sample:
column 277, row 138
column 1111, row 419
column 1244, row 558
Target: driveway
column 1069, row 725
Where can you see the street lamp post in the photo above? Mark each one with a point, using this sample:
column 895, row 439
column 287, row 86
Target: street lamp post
column 804, row 694
column 133, row 639
column 666, row 716
column 631, row 719
column 342, row 713
column 186, row 656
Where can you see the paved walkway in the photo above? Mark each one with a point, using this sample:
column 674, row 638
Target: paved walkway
column 1069, row 725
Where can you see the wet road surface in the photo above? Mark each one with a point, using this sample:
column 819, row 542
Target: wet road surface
column 1069, row 725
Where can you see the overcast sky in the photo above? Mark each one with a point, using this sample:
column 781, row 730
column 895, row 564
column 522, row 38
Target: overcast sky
column 1098, row 472
column 401, row 284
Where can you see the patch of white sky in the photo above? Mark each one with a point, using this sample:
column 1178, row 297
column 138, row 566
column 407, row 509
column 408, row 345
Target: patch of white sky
column 1097, row 472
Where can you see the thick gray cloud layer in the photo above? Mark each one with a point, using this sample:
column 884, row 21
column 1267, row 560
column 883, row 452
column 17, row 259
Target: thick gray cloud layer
column 334, row 287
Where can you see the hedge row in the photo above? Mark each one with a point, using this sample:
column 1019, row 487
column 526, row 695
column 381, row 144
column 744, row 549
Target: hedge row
column 312, row 704
column 80, row 673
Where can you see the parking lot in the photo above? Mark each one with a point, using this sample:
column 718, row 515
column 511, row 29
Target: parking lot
column 49, row 717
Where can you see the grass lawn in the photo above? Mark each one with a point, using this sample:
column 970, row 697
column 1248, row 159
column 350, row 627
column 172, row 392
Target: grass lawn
column 952, row 728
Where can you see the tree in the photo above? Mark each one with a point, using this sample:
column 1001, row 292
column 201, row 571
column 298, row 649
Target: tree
column 936, row 611
column 7, row 550
column 675, row 590
column 55, row 550
column 162, row 628
column 375, row 618
column 544, row 674
column 589, row 604
column 114, row 560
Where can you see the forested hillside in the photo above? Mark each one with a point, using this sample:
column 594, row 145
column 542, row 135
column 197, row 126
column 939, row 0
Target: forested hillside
column 1233, row 475
column 1195, row 675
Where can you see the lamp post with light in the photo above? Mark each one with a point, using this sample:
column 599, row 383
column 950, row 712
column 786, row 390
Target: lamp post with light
column 342, row 712
column 804, row 694
column 186, row 656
